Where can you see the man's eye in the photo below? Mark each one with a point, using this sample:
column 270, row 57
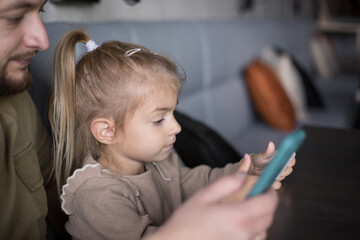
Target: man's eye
column 15, row 20
column 158, row 122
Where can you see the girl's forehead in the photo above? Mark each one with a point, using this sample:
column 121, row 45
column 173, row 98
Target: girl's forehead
column 160, row 98
column 160, row 95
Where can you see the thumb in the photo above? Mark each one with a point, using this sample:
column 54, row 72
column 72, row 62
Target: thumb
column 269, row 151
column 245, row 163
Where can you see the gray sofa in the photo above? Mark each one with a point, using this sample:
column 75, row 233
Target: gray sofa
column 213, row 55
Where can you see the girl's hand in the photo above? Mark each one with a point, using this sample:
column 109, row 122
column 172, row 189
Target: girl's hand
column 254, row 164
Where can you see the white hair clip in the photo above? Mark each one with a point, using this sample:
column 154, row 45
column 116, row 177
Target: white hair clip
column 132, row 51
column 91, row 45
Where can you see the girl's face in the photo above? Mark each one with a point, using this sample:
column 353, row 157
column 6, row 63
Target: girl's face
column 150, row 134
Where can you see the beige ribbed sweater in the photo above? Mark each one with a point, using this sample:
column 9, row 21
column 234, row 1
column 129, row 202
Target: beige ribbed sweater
column 104, row 204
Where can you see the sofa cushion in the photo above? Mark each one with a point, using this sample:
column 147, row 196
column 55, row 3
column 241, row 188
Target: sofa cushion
column 292, row 84
column 198, row 144
column 324, row 55
column 289, row 78
column 269, row 97
column 313, row 95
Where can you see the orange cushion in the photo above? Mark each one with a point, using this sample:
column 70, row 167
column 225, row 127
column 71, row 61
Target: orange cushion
column 269, row 97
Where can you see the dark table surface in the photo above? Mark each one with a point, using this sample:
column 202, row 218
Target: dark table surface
column 321, row 198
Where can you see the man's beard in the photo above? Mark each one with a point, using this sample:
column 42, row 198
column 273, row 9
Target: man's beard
column 11, row 86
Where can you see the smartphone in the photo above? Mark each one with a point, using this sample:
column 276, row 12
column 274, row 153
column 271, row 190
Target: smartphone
column 278, row 163
column 287, row 163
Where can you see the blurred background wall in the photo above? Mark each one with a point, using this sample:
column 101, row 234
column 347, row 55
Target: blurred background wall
column 158, row 10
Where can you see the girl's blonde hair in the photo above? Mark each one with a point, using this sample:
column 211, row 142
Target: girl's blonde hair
column 106, row 82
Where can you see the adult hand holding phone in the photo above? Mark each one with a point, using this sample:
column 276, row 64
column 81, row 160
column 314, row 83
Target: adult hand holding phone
column 207, row 216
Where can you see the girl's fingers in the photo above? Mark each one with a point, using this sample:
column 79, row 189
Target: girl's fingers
column 276, row 185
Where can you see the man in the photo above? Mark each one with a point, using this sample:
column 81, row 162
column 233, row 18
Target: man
column 25, row 146
column 28, row 195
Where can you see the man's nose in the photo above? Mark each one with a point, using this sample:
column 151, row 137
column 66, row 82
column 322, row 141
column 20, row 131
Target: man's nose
column 35, row 34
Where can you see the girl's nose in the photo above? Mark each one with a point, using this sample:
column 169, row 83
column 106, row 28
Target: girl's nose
column 175, row 128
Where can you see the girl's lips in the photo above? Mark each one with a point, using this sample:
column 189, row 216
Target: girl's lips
column 169, row 146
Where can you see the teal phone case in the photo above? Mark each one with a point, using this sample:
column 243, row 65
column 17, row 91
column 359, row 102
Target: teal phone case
column 289, row 145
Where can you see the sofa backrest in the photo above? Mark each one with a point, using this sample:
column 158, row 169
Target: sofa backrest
column 212, row 53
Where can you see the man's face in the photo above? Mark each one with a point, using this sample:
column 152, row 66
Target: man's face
column 22, row 34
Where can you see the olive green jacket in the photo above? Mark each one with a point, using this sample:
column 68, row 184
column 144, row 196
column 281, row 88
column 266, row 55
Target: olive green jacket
column 25, row 151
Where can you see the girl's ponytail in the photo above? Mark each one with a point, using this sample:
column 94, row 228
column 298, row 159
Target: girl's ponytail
column 62, row 107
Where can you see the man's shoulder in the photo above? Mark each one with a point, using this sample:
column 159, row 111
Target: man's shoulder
column 19, row 111
column 16, row 104
column 21, row 127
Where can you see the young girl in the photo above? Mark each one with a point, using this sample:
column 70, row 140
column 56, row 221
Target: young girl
column 114, row 130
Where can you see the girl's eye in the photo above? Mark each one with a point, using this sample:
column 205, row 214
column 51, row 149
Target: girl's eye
column 158, row 122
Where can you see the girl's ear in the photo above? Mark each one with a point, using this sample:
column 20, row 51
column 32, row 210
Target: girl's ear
column 103, row 130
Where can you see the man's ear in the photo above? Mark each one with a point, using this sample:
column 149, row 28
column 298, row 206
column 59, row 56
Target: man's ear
column 103, row 130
